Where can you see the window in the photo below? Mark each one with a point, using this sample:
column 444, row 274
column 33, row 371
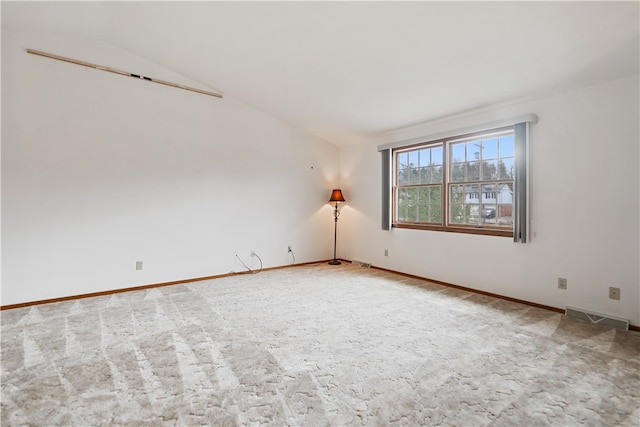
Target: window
column 463, row 183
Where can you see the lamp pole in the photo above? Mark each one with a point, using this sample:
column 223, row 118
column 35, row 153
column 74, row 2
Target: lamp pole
column 336, row 214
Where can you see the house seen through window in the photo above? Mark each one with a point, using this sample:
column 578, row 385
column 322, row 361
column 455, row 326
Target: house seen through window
column 463, row 183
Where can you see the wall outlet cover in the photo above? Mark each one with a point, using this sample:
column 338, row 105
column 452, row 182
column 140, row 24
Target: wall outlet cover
column 614, row 293
column 562, row 283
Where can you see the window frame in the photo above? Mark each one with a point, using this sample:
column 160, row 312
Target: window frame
column 446, row 225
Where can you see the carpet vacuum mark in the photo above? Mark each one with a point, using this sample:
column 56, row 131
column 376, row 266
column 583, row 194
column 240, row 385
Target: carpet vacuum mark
column 313, row 346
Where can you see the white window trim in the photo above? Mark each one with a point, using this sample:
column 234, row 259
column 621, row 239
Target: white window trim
column 525, row 118
column 522, row 229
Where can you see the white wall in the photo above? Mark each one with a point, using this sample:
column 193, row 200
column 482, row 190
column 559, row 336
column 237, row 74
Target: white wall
column 585, row 208
column 100, row 171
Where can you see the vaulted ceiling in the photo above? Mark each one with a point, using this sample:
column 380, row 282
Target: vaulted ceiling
column 345, row 71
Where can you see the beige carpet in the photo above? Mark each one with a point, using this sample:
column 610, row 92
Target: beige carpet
column 313, row 346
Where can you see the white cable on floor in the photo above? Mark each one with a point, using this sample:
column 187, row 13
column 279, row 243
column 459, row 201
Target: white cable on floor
column 259, row 259
column 248, row 268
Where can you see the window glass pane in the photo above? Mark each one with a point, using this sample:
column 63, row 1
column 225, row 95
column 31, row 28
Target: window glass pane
column 457, row 152
column 506, row 169
column 423, row 195
column 420, row 204
column 473, row 150
column 423, row 213
column 435, row 214
column 403, row 160
column 412, row 209
column 424, row 175
column 474, row 214
column 407, row 204
column 490, row 148
column 403, row 177
column 414, row 176
column 435, row 200
column 456, row 213
column 413, row 159
column 488, row 214
column 504, row 193
column 412, row 213
column 488, row 193
column 425, row 157
column 473, row 171
column 402, row 196
column 405, row 213
column 436, row 174
column 436, row 195
column 460, row 214
column 436, row 156
column 489, row 170
column 401, row 211
column 497, row 204
column 506, row 146
column 458, row 172
column 464, row 207
column 505, row 215
column 457, row 194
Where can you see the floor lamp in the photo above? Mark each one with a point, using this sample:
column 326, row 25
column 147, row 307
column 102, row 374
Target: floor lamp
column 336, row 196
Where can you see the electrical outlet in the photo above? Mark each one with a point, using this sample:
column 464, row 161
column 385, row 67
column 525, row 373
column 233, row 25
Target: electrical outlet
column 614, row 293
column 562, row 283
column 253, row 252
column 386, row 252
column 138, row 265
column 289, row 248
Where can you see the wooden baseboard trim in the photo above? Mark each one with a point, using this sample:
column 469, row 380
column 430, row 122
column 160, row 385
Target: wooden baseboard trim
column 490, row 294
column 143, row 287
column 219, row 276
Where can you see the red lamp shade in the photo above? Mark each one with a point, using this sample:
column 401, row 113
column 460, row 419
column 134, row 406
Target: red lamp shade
column 336, row 196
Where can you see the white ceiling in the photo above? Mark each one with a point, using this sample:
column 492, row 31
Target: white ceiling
column 344, row 71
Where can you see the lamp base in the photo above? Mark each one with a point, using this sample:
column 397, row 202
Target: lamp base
column 334, row 262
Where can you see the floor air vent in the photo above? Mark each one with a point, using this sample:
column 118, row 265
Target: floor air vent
column 600, row 319
column 364, row 264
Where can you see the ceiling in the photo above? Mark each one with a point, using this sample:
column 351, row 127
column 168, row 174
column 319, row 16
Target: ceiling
column 345, row 71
